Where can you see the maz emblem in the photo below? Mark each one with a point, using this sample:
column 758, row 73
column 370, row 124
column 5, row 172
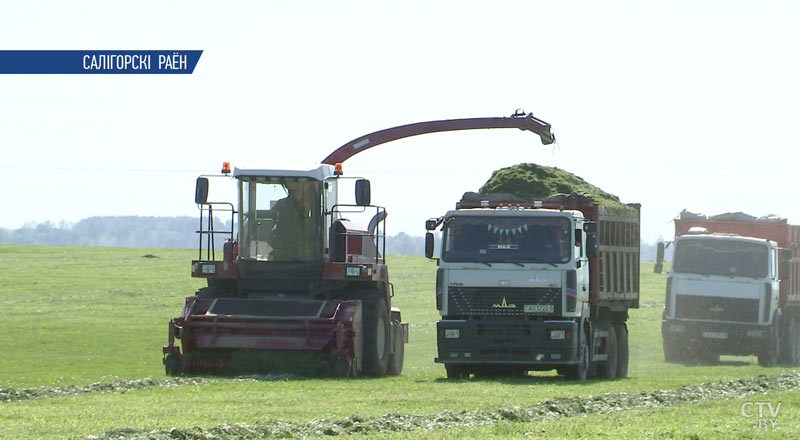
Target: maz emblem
column 505, row 305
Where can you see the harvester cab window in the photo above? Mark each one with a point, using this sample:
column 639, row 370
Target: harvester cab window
column 281, row 219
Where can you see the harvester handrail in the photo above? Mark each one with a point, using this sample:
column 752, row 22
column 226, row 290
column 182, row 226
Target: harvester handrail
column 210, row 232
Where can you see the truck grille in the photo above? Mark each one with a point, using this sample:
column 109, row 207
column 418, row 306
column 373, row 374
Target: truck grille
column 504, row 301
column 714, row 308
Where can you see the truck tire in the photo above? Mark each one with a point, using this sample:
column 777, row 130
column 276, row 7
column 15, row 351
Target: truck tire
column 790, row 341
column 793, row 343
column 609, row 367
column 455, row 371
column 375, row 320
column 580, row 371
column 769, row 353
column 622, row 348
column 674, row 351
column 396, row 359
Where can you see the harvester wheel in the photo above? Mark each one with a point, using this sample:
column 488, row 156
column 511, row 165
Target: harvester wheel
column 206, row 292
column 622, row 348
column 376, row 333
column 341, row 367
column 396, row 358
column 172, row 365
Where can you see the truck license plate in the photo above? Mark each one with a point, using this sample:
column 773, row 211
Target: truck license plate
column 715, row 335
column 538, row 308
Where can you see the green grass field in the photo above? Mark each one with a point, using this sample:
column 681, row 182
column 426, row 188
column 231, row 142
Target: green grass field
column 77, row 320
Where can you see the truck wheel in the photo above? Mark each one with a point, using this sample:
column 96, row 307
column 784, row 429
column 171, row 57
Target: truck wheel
column 455, row 371
column 172, row 365
column 769, row 353
column 396, row 358
column 790, row 345
column 609, row 367
column 376, row 334
column 580, row 371
column 673, row 352
column 622, row 348
column 793, row 344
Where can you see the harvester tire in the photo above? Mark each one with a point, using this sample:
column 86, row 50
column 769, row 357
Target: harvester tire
column 622, row 348
column 377, row 332
column 172, row 365
column 396, row 358
column 206, row 292
column 341, row 367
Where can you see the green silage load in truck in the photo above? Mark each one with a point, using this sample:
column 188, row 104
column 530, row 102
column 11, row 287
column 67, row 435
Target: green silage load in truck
column 530, row 181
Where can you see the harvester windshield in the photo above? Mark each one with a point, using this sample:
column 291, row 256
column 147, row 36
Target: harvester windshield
column 280, row 219
column 507, row 239
column 709, row 256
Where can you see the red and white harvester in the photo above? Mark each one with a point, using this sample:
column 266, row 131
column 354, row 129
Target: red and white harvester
column 299, row 280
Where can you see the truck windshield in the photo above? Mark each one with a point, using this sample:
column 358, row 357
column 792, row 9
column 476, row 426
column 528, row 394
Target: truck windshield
column 507, row 239
column 280, row 219
column 721, row 257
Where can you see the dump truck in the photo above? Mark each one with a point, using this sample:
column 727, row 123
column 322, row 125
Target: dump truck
column 302, row 275
column 734, row 288
column 525, row 285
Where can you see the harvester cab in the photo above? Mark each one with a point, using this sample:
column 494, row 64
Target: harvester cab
column 302, row 271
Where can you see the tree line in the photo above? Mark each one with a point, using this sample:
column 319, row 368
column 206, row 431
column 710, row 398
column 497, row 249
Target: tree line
column 171, row 232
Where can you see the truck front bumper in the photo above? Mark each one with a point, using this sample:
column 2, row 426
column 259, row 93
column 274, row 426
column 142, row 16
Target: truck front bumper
column 520, row 342
column 722, row 338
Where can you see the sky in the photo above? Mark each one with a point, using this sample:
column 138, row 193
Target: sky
column 675, row 105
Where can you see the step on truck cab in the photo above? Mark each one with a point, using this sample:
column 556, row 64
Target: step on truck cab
column 535, row 285
column 733, row 289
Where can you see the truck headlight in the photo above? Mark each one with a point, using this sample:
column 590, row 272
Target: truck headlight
column 558, row 334
column 452, row 333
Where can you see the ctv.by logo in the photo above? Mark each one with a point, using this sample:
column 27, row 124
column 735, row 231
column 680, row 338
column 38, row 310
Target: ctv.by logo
column 766, row 413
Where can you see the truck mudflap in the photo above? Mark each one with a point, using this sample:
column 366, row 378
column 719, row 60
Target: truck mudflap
column 720, row 338
column 214, row 332
column 520, row 342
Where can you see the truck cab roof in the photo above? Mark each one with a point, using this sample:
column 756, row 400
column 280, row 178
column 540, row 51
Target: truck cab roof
column 720, row 236
column 309, row 170
column 514, row 212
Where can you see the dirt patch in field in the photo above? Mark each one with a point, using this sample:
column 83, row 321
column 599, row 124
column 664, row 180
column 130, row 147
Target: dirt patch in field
column 562, row 407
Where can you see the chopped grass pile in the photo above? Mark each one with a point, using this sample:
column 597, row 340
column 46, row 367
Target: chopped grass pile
column 532, row 181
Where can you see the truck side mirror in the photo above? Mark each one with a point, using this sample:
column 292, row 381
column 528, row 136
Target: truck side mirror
column 659, row 266
column 363, row 194
column 429, row 245
column 783, row 270
column 591, row 245
column 201, row 191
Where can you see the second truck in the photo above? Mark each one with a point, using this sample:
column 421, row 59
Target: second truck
column 733, row 289
column 535, row 285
